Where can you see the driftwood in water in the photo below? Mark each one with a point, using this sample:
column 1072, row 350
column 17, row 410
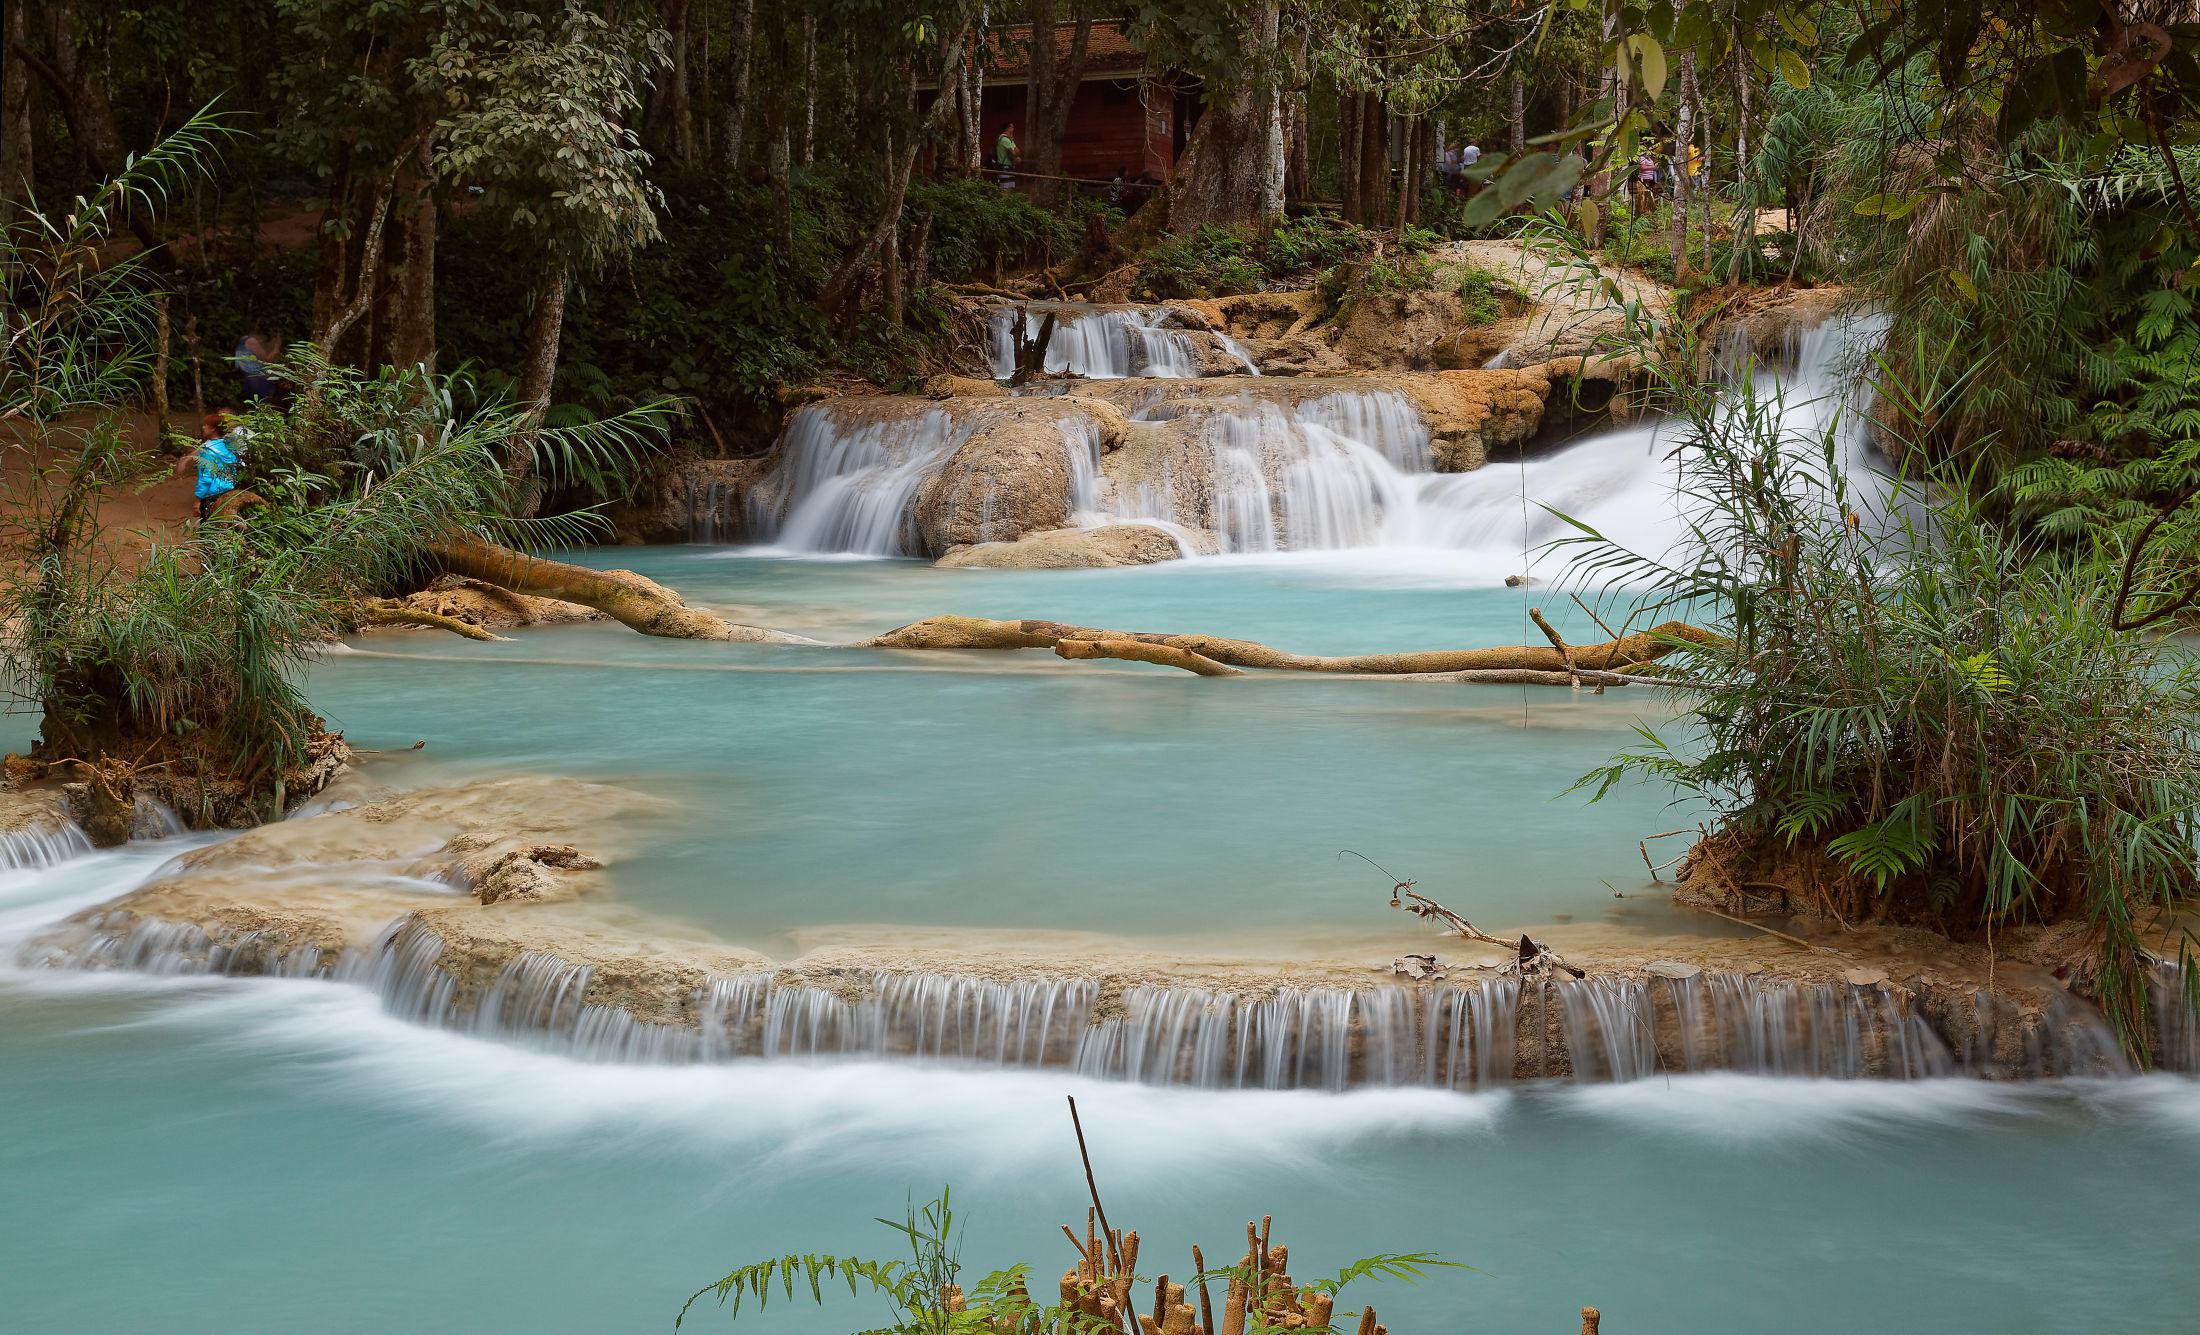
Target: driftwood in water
column 1140, row 652
column 627, row 598
column 389, row 612
column 1612, row 656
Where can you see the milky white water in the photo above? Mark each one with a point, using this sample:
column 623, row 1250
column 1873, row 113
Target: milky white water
column 221, row 1155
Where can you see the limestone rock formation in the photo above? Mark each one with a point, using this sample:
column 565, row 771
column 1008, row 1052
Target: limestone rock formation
column 1104, row 547
column 1017, row 470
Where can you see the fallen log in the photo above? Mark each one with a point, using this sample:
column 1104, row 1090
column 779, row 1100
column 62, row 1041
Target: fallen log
column 388, row 612
column 627, row 598
column 1138, row 652
column 1616, row 655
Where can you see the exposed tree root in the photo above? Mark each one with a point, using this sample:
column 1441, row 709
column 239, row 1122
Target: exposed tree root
column 627, row 598
column 387, row 612
column 1611, row 657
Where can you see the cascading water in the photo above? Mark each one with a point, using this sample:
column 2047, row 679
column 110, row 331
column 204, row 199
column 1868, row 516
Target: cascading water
column 1445, row 1036
column 1342, row 471
column 1099, row 343
column 843, row 487
column 23, row 850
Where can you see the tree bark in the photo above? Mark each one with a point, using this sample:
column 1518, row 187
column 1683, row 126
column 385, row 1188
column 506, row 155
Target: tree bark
column 545, row 331
column 16, row 103
column 1232, row 170
column 1683, row 140
column 733, row 113
column 805, row 139
column 955, row 632
column 669, row 126
column 1348, row 157
column 627, row 598
column 1374, row 173
column 1138, row 652
column 412, row 328
column 1519, row 118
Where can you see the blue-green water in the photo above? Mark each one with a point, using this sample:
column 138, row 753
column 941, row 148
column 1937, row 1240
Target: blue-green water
column 224, row 1155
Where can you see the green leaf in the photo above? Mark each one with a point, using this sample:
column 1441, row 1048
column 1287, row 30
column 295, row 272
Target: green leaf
column 1650, row 60
column 1963, row 284
column 1793, row 68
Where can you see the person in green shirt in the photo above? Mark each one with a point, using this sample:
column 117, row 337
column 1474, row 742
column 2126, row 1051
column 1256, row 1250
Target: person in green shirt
column 1004, row 155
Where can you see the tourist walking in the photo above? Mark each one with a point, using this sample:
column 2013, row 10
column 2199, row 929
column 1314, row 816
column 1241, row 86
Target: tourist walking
column 216, row 460
column 252, row 356
column 1004, row 155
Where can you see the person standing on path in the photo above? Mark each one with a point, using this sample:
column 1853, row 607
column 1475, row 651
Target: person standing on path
column 1004, row 155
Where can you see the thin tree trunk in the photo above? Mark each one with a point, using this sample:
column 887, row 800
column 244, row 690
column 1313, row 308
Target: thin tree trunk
column 1374, row 173
column 160, row 363
column 16, row 102
column 806, row 129
column 733, row 113
column 669, row 127
column 1348, row 154
column 539, row 370
column 1683, row 141
column 1519, row 121
column 412, row 327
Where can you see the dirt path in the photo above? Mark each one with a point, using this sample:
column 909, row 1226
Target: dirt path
column 131, row 520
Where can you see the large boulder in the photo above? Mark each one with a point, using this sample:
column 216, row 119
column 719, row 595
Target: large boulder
column 1100, row 548
column 1020, row 470
column 1396, row 331
column 1471, row 413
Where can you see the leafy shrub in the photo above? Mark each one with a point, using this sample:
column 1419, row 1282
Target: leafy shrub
column 1398, row 273
column 976, row 225
column 1314, row 241
column 1480, row 297
column 1211, row 262
column 1918, row 718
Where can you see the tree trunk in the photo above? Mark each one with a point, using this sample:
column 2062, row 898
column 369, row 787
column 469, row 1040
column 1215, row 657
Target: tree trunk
column 1348, row 157
column 1519, row 117
column 1052, row 90
column 1232, row 170
column 83, row 91
column 627, row 598
column 1683, row 140
column 959, row 632
column 1374, row 173
column 16, row 103
column 805, row 140
column 412, row 326
column 778, row 128
column 545, row 331
column 733, row 113
column 669, row 126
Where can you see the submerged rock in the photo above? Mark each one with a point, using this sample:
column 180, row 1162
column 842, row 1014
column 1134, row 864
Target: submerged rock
column 1105, row 547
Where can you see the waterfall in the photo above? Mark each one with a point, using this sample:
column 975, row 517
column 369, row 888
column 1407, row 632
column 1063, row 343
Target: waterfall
column 27, row 850
column 1340, row 471
column 1099, row 343
column 852, row 487
column 1464, row 1036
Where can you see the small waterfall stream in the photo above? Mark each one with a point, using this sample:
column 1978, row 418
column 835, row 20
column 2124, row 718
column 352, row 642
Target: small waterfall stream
column 1099, row 342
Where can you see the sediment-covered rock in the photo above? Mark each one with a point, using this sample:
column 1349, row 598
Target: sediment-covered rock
column 1017, row 471
column 1105, row 547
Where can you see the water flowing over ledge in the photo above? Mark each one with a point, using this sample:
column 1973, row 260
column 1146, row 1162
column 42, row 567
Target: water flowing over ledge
column 1663, row 1019
column 1258, row 467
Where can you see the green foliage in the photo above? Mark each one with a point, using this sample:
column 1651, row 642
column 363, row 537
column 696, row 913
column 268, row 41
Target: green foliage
column 539, row 115
column 1210, row 262
column 977, row 226
column 923, row 1297
column 1314, row 241
column 1952, row 717
column 1481, row 296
